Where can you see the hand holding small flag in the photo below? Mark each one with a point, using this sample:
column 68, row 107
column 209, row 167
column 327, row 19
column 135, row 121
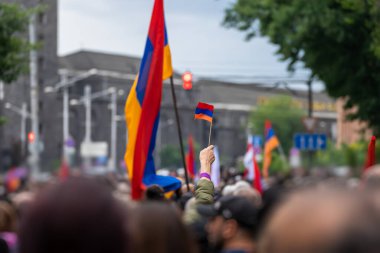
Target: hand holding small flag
column 206, row 158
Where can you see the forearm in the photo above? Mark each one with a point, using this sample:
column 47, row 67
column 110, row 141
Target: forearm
column 204, row 192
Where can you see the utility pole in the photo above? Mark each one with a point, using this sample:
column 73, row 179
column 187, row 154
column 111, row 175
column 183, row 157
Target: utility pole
column 112, row 164
column 23, row 112
column 310, row 114
column 1, row 127
column 87, row 95
column 65, row 115
column 34, row 93
column 24, row 117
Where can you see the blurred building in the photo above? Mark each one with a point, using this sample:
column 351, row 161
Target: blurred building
column 19, row 91
column 350, row 131
column 233, row 103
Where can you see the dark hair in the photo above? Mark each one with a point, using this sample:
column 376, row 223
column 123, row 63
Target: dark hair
column 157, row 227
column 76, row 216
column 155, row 192
column 3, row 246
column 8, row 217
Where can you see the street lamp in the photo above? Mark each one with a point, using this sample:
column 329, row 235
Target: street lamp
column 87, row 100
column 64, row 84
column 164, row 124
column 24, row 116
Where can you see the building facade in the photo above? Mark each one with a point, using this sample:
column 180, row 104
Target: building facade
column 19, row 91
column 233, row 104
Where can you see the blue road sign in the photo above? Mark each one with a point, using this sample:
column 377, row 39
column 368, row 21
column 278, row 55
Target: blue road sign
column 257, row 141
column 310, row 141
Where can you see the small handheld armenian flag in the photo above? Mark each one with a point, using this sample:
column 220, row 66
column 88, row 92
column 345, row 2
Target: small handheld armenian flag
column 205, row 111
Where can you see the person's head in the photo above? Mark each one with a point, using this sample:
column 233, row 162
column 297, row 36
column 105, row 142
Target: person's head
column 322, row 221
column 76, row 216
column 250, row 194
column 154, row 192
column 3, row 246
column 7, row 217
column 371, row 178
column 157, row 227
column 231, row 219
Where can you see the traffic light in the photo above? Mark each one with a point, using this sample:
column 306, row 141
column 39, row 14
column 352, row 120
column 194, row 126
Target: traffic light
column 31, row 137
column 187, row 79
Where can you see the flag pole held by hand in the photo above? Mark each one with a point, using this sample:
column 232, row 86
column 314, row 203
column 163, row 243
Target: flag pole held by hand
column 209, row 135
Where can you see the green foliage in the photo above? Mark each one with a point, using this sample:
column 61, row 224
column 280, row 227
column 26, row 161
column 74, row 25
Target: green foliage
column 331, row 157
column 338, row 40
column 14, row 47
column 2, row 121
column 278, row 165
column 285, row 116
column 171, row 157
column 353, row 156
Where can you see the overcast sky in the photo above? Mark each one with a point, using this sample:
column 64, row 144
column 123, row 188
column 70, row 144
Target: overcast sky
column 198, row 41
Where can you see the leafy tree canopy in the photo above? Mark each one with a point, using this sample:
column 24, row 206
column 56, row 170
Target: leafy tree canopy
column 338, row 40
column 285, row 116
column 14, row 46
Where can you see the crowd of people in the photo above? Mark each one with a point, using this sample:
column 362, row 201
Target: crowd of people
column 305, row 214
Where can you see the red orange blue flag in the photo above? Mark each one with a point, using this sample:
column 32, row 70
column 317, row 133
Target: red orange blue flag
column 271, row 142
column 204, row 111
column 142, row 108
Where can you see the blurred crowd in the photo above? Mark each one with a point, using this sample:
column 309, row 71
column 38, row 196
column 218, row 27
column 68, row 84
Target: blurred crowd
column 296, row 214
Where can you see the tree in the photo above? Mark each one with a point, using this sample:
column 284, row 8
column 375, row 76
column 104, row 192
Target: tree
column 285, row 116
column 338, row 40
column 14, row 47
column 171, row 157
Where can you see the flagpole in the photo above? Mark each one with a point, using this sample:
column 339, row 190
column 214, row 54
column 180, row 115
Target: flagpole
column 209, row 135
column 179, row 132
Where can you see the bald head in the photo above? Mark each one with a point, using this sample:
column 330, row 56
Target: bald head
column 321, row 221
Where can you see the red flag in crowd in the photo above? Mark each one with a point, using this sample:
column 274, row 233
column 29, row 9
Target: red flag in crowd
column 252, row 167
column 64, row 171
column 371, row 157
column 190, row 163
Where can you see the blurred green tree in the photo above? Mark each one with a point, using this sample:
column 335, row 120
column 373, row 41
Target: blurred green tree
column 14, row 46
column 338, row 40
column 171, row 157
column 285, row 115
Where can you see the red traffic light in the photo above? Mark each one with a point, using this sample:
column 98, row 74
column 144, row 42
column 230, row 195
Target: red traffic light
column 187, row 79
column 31, row 137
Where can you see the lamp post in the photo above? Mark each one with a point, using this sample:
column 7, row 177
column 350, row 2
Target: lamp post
column 164, row 124
column 87, row 101
column 34, row 98
column 64, row 84
column 24, row 116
